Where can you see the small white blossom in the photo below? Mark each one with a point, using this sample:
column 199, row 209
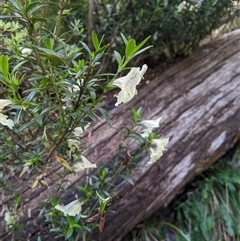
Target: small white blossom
column 9, row 218
column 82, row 165
column 181, row 6
column 79, row 130
column 6, row 122
column 26, row 51
column 4, row 118
column 156, row 153
column 72, row 209
column 4, row 103
column 150, row 124
column 73, row 144
column 128, row 84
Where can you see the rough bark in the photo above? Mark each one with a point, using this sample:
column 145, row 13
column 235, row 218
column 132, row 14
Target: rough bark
column 199, row 102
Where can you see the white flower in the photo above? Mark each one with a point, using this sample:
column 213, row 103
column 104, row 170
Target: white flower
column 160, row 143
column 26, row 51
column 4, row 103
column 72, row 209
column 79, row 130
column 156, row 153
column 4, row 118
column 181, row 6
column 82, row 165
column 4, row 121
column 73, row 144
column 9, row 218
column 150, row 124
column 128, row 84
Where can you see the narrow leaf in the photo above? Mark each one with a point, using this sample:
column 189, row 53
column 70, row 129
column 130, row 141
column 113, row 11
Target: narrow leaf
column 90, row 114
column 86, row 47
column 35, row 183
column 105, row 115
column 50, row 52
column 127, row 178
column 31, row 6
column 63, row 162
column 14, row 3
column 38, row 119
column 141, row 51
column 124, row 39
column 129, row 50
column 95, row 40
column 139, row 46
column 118, row 57
column 4, row 66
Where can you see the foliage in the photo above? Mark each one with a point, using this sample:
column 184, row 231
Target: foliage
column 52, row 91
column 177, row 26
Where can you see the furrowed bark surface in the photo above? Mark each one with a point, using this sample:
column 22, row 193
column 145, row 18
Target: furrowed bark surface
column 199, row 102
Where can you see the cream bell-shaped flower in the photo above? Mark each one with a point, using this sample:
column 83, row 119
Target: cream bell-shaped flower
column 79, row 130
column 156, row 153
column 9, row 218
column 4, row 103
column 4, row 118
column 72, row 209
column 150, row 124
column 128, row 84
column 82, row 165
column 160, row 143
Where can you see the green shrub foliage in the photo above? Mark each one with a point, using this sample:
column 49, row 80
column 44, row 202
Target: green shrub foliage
column 177, row 26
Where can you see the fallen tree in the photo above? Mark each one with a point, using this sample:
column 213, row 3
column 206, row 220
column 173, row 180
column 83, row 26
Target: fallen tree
column 199, row 102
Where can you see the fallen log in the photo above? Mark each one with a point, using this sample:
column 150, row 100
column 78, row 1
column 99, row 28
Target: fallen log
column 199, row 102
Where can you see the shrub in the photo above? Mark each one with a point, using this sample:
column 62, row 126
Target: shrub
column 50, row 93
column 177, row 26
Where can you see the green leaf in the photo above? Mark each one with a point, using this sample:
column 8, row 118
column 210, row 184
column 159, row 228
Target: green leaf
column 38, row 19
column 81, row 71
column 61, row 124
column 18, row 65
column 102, row 49
column 124, row 39
column 17, row 118
column 31, row 95
column 90, row 114
column 15, row 4
column 95, row 40
column 32, row 6
column 139, row 46
column 75, row 225
column 24, row 126
column 9, row 16
column 86, row 47
column 118, row 57
column 4, row 66
column 141, row 51
column 105, row 115
column 129, row 50
column 35, row 183
column 69, row 233
column 50, row 52
column 33, row 10
column 38, row 119
column 127, row 178
column 178, row 230
column 48, row 43
column 97, row 57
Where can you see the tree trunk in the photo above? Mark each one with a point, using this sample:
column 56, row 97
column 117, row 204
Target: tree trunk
column 199, row 102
